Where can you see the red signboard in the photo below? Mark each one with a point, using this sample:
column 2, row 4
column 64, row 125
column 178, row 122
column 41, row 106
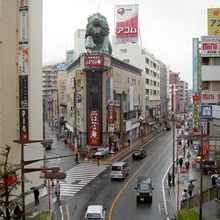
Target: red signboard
column 96, row 60
column 111, row 114
column 94, row 128
column 126, row 23
column 172, row 98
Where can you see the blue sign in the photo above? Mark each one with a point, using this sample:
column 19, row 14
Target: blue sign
column 61, row 66
column 206, row 111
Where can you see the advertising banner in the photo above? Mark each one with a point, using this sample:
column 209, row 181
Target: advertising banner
column 23, row 68
column 23, row 59
column 23, row 91
column 24, row 129
column 117, row 119
column 23, row 26
column 126, row 23
column 196, row 99
column 210, row 46
column 172, row 98
column 211, row 97
column 96, row 60
column 94, row 128
column 111, row 114
column 214, row 21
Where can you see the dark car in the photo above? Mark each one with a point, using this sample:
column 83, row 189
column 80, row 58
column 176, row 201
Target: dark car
column 139, row 154
column 144, row 189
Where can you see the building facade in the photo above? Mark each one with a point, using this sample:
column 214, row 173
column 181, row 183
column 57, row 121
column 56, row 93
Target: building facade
column 10, row 72
column 136, row 55
column 104, row 101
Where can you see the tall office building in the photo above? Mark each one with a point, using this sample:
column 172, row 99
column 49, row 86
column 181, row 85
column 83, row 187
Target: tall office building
column 20, row 79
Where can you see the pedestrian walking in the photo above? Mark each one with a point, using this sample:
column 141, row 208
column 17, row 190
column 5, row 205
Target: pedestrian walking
column 57, row 190
column 36, row 196
column 169, row 179
column 213, row 179
column 65, row 142
column 191, row 186
column 181, row 162
column 187, row 164
column 185, row 194
column 77, row 155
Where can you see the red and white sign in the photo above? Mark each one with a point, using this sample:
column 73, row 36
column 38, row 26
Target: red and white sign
column 111, row 114
column 210, row 97
column 94, row 128
column 210, row 46
column 96, row 60
column 172, row 98
column 126, row 23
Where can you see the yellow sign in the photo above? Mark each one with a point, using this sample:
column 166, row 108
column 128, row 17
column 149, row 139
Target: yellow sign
column 214, row 21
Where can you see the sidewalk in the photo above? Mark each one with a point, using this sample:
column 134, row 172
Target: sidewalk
column 182, row 181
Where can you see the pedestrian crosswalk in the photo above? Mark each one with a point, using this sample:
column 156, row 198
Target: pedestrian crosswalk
column 78, row 177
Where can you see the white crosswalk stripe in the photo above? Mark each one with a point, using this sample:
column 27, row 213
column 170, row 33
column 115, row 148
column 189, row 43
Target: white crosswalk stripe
column 78, row 177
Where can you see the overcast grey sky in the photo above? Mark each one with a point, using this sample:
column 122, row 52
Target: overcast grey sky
column 166, row 26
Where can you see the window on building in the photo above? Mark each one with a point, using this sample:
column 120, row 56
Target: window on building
column 147, row 81
column 133, row 82
column 205, row 61
column 147, row 70
column 216, row 61
column 147, row 60
column 147, row 91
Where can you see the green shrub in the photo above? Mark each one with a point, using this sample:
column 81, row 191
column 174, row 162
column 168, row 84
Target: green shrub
column 188, row 214
column 45, row 215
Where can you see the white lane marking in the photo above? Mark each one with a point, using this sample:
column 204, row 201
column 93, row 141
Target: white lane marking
column 159, row 208
column 61, row 211
column 163, row 190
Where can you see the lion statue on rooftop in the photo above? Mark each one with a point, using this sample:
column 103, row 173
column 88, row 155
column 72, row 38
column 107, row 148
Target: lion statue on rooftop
column 97, row 31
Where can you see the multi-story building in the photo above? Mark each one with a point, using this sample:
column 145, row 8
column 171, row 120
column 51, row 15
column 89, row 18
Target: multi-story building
column 18, row 39
column 164, row 95
column 54, row 87
column 79, row 42
column 136, row 55
column 104, row 100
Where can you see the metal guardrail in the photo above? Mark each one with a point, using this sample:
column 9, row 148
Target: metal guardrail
column 208, row 195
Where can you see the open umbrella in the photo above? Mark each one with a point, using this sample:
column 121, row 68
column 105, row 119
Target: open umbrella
column 192, row 180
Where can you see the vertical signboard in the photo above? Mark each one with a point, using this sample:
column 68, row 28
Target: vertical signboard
column 126, row 23
column 196, row 99
column 172, row 98
column 214, row 21
column 23, row 68
column 196, row 66
column 94, row 128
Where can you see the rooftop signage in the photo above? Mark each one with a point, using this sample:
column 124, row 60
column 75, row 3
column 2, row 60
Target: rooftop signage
column 210, row 46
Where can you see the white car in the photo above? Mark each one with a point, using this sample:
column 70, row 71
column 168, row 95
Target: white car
column 95, row 212
column 103, row 151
